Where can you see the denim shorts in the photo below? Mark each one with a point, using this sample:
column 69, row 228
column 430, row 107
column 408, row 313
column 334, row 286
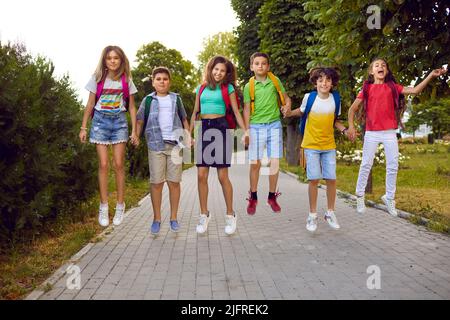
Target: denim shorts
column 215, row 145
column 109, row 129
column 320, row 164
column 266, row 135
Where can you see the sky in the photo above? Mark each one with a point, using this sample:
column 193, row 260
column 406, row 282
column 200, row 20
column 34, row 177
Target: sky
column 73, row 33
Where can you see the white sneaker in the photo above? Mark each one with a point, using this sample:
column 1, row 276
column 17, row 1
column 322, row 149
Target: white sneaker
column 203, row 223
column 390, row 204
column 330, row 217
column 360, row 205
column 103, row 216
column 118, row 217
column 230, row 221
column 311, row 222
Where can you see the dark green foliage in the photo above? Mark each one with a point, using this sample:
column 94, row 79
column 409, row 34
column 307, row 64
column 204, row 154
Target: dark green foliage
column 435, row 113
column 45, row 170
column 248, row 40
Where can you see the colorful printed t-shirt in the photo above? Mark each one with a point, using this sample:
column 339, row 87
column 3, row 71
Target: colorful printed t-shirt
column 111, row 101
column 319, row 129
column 211, row 100
column 380, row 113
column 266, row 101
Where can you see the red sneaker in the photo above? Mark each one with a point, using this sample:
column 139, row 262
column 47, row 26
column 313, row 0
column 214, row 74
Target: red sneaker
column 251, row 208
column 274, row 204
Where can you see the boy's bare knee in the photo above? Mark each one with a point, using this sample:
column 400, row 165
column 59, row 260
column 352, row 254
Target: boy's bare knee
column 314, row 182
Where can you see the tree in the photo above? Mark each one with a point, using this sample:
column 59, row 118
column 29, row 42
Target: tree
column 222, row 43
column 185, row 77
column 413, row 37
column 247, row 41
column 46, row 172
column 435, row 113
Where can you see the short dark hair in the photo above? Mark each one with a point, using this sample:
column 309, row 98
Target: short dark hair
column 327, row 72
column 259, row 54
column 161, row 70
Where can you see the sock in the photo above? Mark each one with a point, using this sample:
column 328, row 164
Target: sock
column 120, row 205
column 313, row 215
column 104, row 205
column 254, row 195
column 271, row 195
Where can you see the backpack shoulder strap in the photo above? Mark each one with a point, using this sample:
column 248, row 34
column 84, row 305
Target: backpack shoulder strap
column 251, row 88
column 148, row 103
column 277, row 86
column 225, row 95
column 98, row 92
column 337, row 101
column 126, row 90
column 311, row 98
column 179, row 106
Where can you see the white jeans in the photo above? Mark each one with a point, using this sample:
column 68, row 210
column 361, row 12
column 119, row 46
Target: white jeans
column 371, row 140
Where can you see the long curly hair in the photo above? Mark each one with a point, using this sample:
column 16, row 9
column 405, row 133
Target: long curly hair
column 230, row 76
column 399, row 99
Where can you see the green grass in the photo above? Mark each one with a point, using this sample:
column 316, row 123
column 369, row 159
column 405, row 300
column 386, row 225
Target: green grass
column 423, row 182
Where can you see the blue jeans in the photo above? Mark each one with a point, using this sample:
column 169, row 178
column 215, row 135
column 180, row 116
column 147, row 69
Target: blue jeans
column 269, row 135
column 109, row 129
column 320, row 164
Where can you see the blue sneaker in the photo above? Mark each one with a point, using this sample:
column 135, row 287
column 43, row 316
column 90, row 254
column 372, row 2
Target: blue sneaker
column 174, row 226
column 156, row 225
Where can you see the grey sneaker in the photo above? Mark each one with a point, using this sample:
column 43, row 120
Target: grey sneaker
column 103, row 216
column 360, row 204
column 311, row 223
column 203, row 223
column 230, row 224
column 330, row 217
column 390, row 205
column 118, row 217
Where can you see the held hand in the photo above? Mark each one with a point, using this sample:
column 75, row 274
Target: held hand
column 188, row 141
column 134, row 139
column 83, row 135
column 351, row 133
column 286, row 111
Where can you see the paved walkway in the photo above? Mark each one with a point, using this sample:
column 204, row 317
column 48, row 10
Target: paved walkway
column 271, row 256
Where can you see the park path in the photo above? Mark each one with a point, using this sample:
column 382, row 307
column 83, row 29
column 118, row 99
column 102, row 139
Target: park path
column 271, row 256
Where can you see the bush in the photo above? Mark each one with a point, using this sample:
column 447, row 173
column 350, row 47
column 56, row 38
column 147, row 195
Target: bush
column 45, row 170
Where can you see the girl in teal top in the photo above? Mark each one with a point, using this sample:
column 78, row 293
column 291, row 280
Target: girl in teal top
column 211, row 100
column 215, row 143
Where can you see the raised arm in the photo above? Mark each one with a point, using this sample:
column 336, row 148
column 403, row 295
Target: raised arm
column 419, row 88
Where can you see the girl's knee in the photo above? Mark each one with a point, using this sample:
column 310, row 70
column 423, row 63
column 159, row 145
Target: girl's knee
column 256, row 165
column 103, row 165
column 202, row 178
column 314, row 182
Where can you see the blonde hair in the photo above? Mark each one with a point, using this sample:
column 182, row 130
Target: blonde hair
column 101, row 71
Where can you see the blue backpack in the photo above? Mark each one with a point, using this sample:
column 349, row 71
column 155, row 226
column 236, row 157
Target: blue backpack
column 312, row 97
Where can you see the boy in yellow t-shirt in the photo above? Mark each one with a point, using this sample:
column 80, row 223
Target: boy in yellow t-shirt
column 321, row 108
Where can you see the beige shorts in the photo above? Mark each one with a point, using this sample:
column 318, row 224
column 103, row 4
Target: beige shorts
column 165, row 165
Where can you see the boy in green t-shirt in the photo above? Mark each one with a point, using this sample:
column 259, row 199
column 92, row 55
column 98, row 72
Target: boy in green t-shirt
column 264, row 98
